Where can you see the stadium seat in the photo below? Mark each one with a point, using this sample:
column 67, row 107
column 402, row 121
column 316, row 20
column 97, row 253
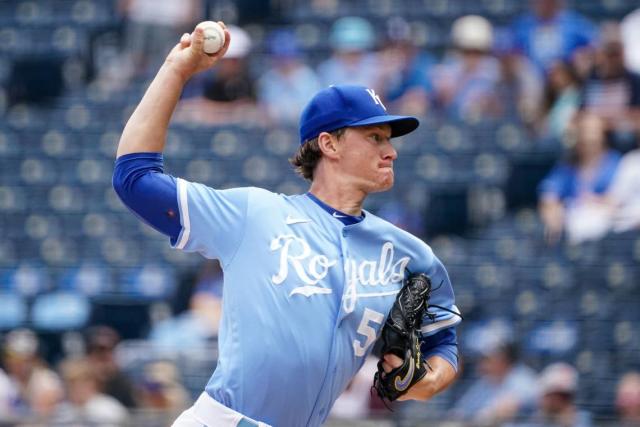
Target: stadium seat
column 14, row 310
column 27, row 279
column 556, row 338
column 281, row 142
column 227, row 143
column 150, row 282
column 65, row 198
column 60, row 311
column 91, row 280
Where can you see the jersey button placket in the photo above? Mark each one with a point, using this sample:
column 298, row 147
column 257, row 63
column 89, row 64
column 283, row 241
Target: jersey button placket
column 347, row 265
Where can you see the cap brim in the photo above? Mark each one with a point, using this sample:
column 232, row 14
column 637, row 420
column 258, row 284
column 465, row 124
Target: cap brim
column 400, row 125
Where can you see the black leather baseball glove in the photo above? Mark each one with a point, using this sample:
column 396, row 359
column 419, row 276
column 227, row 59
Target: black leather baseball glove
column 400, row 336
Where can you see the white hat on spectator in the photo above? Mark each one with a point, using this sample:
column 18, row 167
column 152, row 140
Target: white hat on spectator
column 559, row 378
column 240, row 43
column 472, row 32
column 21, row 342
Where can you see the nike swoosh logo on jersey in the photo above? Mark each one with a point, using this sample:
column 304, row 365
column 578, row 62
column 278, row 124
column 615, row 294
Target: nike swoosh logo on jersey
column 402, row 383
column 291, row 220
column 337, row 215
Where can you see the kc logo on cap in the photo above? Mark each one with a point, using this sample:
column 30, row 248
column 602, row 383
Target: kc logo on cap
column 376, row 98
column 340, row 106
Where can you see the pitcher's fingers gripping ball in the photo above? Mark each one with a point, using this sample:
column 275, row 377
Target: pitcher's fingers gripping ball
column 401, row 337
column 213, row 36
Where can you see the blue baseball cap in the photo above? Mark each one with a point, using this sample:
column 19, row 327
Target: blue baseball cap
column 342, row 106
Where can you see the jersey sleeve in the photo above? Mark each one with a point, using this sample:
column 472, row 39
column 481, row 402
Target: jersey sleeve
column 140, row 182
column 444, row 312
column 443, row 344
column 438, row 334
column 213, row 221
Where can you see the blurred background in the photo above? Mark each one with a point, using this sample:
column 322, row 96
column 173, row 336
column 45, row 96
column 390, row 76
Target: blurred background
column 524, row 177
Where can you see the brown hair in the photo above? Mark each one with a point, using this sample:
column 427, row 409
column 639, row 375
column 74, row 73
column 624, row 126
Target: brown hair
column 308, row 155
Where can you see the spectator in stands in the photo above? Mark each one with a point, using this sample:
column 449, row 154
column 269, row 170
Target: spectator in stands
column 505, row 388
column 151, row 28
column 8, row 398
column 161, row 389
column 84, row 403
column 630, row 29
column 612, row 91
column 353, row 61
column 45, row 395
column 27, row 372
column 556, row 407
column 572, row 196
column 550, row 33
column 226, row 94
column 521, row 86
column 198, row 325
column 466, row 83
column 628, row 400
column 101, row 344
column 288, row 83
column 406, row 83
column 562, row 100
column 624, row 196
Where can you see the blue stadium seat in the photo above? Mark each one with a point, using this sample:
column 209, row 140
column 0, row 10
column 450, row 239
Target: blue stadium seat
column 555, row 338
column 180, row 144
column 92, row 171
column 60, row 311
column 228, row 143
column 490, row 168
column 39, row 226
column 9, row 249
column 108, row 143
column 260, row 170
column 13, row 199
column 97, row 225
column 120, row 251
column 91, row 280
column 10, row 146
column 454, row 139
column 66, row 199
column 37, row 171
column 14, row 310
column 26, row 279
column 433, row 168
column 151, row 282
column 58, row 143
column 281, row 142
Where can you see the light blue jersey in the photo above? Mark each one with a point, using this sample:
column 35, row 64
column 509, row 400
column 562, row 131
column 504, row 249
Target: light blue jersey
column 304, row 298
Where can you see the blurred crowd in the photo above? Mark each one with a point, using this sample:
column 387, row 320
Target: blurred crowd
column 573, row 83
column 91, row 387
column 87, row 382
column 85, row 388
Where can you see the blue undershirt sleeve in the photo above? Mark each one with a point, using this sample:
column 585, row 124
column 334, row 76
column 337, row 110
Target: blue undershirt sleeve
column 140, row 182
column 443, row 344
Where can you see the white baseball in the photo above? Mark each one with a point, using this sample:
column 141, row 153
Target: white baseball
column 213, row 36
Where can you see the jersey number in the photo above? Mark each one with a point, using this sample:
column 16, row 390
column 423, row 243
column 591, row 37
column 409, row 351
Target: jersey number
column 367, row 330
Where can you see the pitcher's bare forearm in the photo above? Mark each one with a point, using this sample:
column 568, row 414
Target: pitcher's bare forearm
column 146, row 130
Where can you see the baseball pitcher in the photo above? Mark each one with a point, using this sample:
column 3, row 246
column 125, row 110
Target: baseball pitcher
column 311, row 280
